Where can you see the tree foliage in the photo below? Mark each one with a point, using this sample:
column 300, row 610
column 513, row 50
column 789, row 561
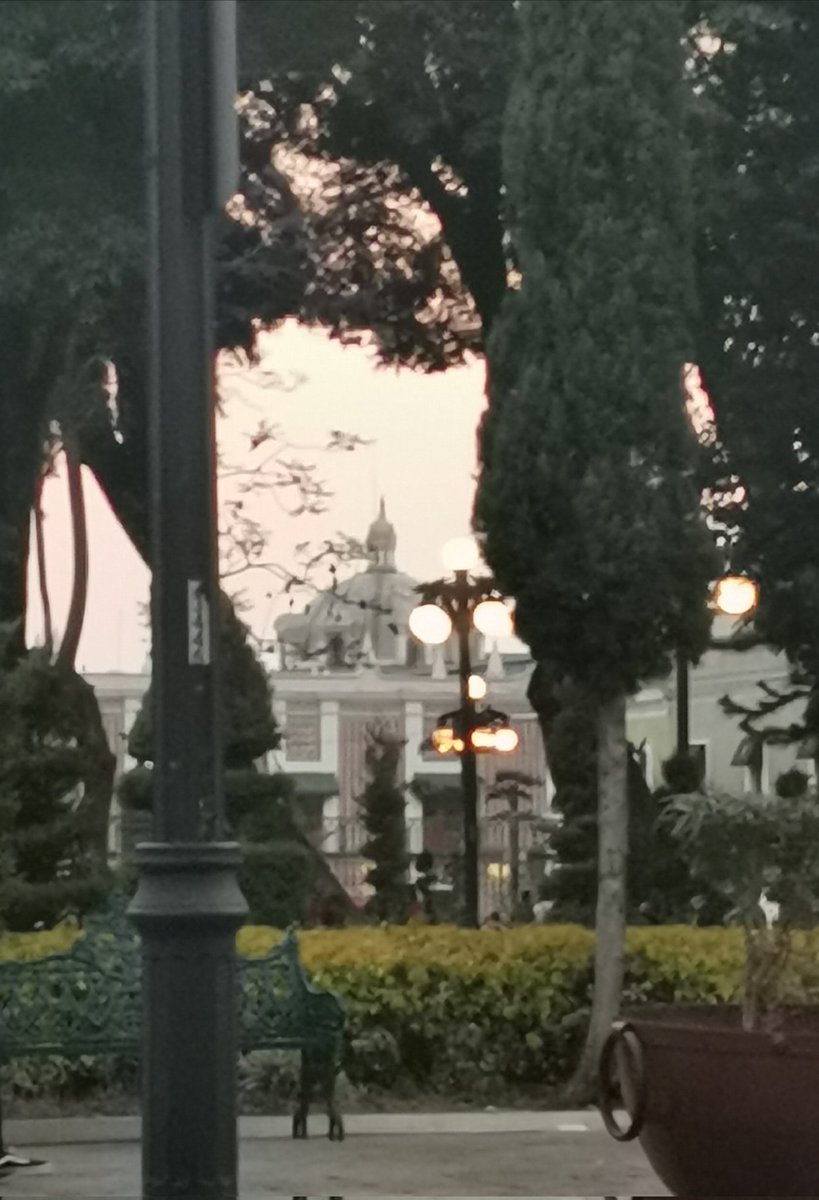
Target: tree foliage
column 383, row 807
column 55, row 786
column 72, row 259
column 758, row 268
column 746, row 849
column 248, row 727
column 396, row 108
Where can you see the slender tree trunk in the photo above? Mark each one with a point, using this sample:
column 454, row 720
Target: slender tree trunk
column 14, row 556
column 67, row 654
column 27, row 378
column 42, row 575
column 610, row 922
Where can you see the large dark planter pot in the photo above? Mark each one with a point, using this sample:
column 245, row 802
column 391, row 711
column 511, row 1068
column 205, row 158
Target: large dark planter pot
column 718, row 1111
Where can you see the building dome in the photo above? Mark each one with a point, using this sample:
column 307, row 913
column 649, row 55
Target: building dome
column 365, row 617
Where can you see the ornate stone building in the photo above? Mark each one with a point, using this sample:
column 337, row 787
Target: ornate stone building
column 348, row 661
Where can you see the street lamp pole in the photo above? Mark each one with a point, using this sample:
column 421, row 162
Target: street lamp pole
column 188, row 904
column 469, row 762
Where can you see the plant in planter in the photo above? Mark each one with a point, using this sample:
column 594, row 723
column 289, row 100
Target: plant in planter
column 723, row 1096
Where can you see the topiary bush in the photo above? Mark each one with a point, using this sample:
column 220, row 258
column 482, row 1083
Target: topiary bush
column 56, row 776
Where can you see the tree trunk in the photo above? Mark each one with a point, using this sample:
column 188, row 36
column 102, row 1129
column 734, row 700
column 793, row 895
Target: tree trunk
column 610, row 923
column 15, row 530
column 67, row 653
column 95, row 807
column 42, row 575
column 27, row 378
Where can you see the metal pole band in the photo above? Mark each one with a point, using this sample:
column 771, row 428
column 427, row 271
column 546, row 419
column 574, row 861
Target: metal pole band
column 622, row 1031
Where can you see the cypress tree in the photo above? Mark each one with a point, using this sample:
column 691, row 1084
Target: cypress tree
column 383, row 806
column 281, row 871
column 248, row 727
column 587, row 494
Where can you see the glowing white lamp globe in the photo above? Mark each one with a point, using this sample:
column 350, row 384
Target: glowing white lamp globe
column 476, row 687
column 482, row 738
column 430, row 624
column 443, row 740
column 461, row 554
column 736, row 595
column 493, row 619
column 506, row 740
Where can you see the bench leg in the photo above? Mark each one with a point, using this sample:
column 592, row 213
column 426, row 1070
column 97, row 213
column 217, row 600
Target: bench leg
column 330, row 1071
column 315, row 1071
column 306, row 1081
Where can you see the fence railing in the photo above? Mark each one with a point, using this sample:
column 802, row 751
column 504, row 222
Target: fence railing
column 347, row 835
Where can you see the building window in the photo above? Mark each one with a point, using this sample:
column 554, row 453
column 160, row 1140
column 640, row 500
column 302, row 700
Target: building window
column 302, row 731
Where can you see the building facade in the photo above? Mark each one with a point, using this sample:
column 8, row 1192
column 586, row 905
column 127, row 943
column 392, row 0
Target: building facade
column 348, row 662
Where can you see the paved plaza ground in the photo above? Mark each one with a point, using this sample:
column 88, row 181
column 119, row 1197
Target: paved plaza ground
column 465, row 1154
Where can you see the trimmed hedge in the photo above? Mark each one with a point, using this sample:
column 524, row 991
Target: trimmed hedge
column 463, row 1012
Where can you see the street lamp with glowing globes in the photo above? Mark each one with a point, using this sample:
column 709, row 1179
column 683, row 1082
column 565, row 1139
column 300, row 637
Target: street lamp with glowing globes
column 459, row 604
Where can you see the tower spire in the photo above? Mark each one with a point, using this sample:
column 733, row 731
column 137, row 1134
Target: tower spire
column 381, row 541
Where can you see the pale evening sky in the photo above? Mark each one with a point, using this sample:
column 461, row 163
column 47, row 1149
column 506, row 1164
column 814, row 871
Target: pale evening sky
column 423, row 460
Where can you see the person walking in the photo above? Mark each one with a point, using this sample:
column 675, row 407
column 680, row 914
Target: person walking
column 524, row 911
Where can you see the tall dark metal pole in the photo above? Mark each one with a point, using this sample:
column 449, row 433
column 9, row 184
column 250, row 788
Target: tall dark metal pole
column 188, row 904
column 683, row 704
column 469, row 763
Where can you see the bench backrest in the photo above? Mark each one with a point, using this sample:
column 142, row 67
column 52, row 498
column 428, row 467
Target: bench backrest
column 88, row 1000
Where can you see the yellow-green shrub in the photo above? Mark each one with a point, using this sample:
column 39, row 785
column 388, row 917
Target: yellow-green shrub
column 463, row 1011
column 19, row 947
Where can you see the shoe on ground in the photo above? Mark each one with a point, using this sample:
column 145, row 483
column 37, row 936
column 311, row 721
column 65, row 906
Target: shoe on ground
column 13, row 1163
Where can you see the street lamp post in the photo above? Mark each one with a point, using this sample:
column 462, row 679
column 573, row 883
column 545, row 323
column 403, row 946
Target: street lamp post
column 733, row 596
column 188, row 904
column 459, row 604
column 683, row 704
column 461, row 597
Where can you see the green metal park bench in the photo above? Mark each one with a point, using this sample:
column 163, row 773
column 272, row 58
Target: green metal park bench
column 87, row 1001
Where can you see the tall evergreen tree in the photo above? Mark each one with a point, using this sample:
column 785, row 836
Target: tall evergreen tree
column 247, row 726
column 587, row 494
column 383, row 804
column 281, row 871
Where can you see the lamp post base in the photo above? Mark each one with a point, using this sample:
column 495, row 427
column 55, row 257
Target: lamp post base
column 187, row 908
